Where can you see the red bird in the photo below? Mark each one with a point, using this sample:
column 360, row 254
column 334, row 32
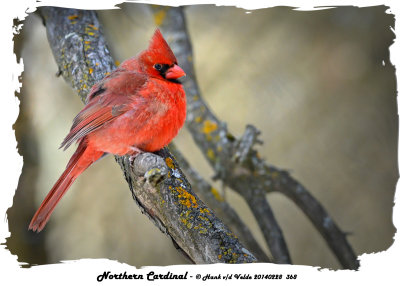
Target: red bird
column 138, row 107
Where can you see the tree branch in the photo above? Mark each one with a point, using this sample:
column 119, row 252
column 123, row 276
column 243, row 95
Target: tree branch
column 218, row 204
column 157, row 184
column 208, row 132
column 335, row 238
column 236, row 162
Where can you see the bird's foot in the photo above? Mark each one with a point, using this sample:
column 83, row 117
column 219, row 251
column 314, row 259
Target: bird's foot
column 133, row 154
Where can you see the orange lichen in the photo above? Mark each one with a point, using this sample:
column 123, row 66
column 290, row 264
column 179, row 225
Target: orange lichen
column 186, row 198
column 228, row 253
column 204, row 210
column 72, row 17
column 210, row 154
column 170, row 163
column 93, row 27
column 159, row 17
column 216, row 194
column 186, row 222
column 90, row 70
column 209, row 126
column 203, row 218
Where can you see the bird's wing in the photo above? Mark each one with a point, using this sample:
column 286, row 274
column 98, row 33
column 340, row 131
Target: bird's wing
column 108, row 99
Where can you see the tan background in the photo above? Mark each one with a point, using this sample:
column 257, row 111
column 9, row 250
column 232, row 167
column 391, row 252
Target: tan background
column 319, row 85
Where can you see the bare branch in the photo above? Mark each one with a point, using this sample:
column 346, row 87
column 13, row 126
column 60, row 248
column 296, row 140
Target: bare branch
column 335, row 238
column 208, row 132
column 236, row 162
column 157, row 184
column 164, row 195
column 218, row 204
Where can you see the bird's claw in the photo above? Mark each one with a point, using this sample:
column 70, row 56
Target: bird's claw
column 133, row 154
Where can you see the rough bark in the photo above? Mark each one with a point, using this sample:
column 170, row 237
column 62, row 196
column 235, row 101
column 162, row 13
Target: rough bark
column 238, row 164
column 157, row 184
column 220, row 206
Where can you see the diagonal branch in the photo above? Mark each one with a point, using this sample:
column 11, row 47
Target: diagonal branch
column 335, row 238
column 209, row 133
column 223, row 210
column 157, row 184
column 236, row 162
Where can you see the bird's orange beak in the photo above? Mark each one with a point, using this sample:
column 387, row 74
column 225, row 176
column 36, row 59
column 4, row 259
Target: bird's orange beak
column 174, row 72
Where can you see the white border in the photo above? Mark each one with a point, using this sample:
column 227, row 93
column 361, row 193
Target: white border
column 375, row 268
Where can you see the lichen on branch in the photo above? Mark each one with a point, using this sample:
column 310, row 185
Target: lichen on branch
column 157, row 184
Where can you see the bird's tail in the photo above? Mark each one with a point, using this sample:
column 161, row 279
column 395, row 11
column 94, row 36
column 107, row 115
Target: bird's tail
column 79, row 162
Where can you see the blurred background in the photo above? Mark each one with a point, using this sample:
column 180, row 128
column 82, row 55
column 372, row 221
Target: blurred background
column 318, row 84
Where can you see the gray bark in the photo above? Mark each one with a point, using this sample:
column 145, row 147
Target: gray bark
column 157, row 184
column 237, row 163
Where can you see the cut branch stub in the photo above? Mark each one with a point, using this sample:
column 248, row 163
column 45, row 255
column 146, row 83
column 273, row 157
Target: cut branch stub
column 243, row 147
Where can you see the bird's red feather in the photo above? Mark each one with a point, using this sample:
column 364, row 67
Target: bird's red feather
column 134, row 107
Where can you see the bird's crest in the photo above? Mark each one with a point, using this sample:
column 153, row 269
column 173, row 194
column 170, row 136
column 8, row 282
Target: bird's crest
column 159, row 48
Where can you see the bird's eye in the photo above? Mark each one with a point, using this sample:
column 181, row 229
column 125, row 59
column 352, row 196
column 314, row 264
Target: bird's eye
column 158, row 67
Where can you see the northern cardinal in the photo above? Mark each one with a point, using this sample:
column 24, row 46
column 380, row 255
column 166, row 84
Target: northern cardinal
column 138, row 107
